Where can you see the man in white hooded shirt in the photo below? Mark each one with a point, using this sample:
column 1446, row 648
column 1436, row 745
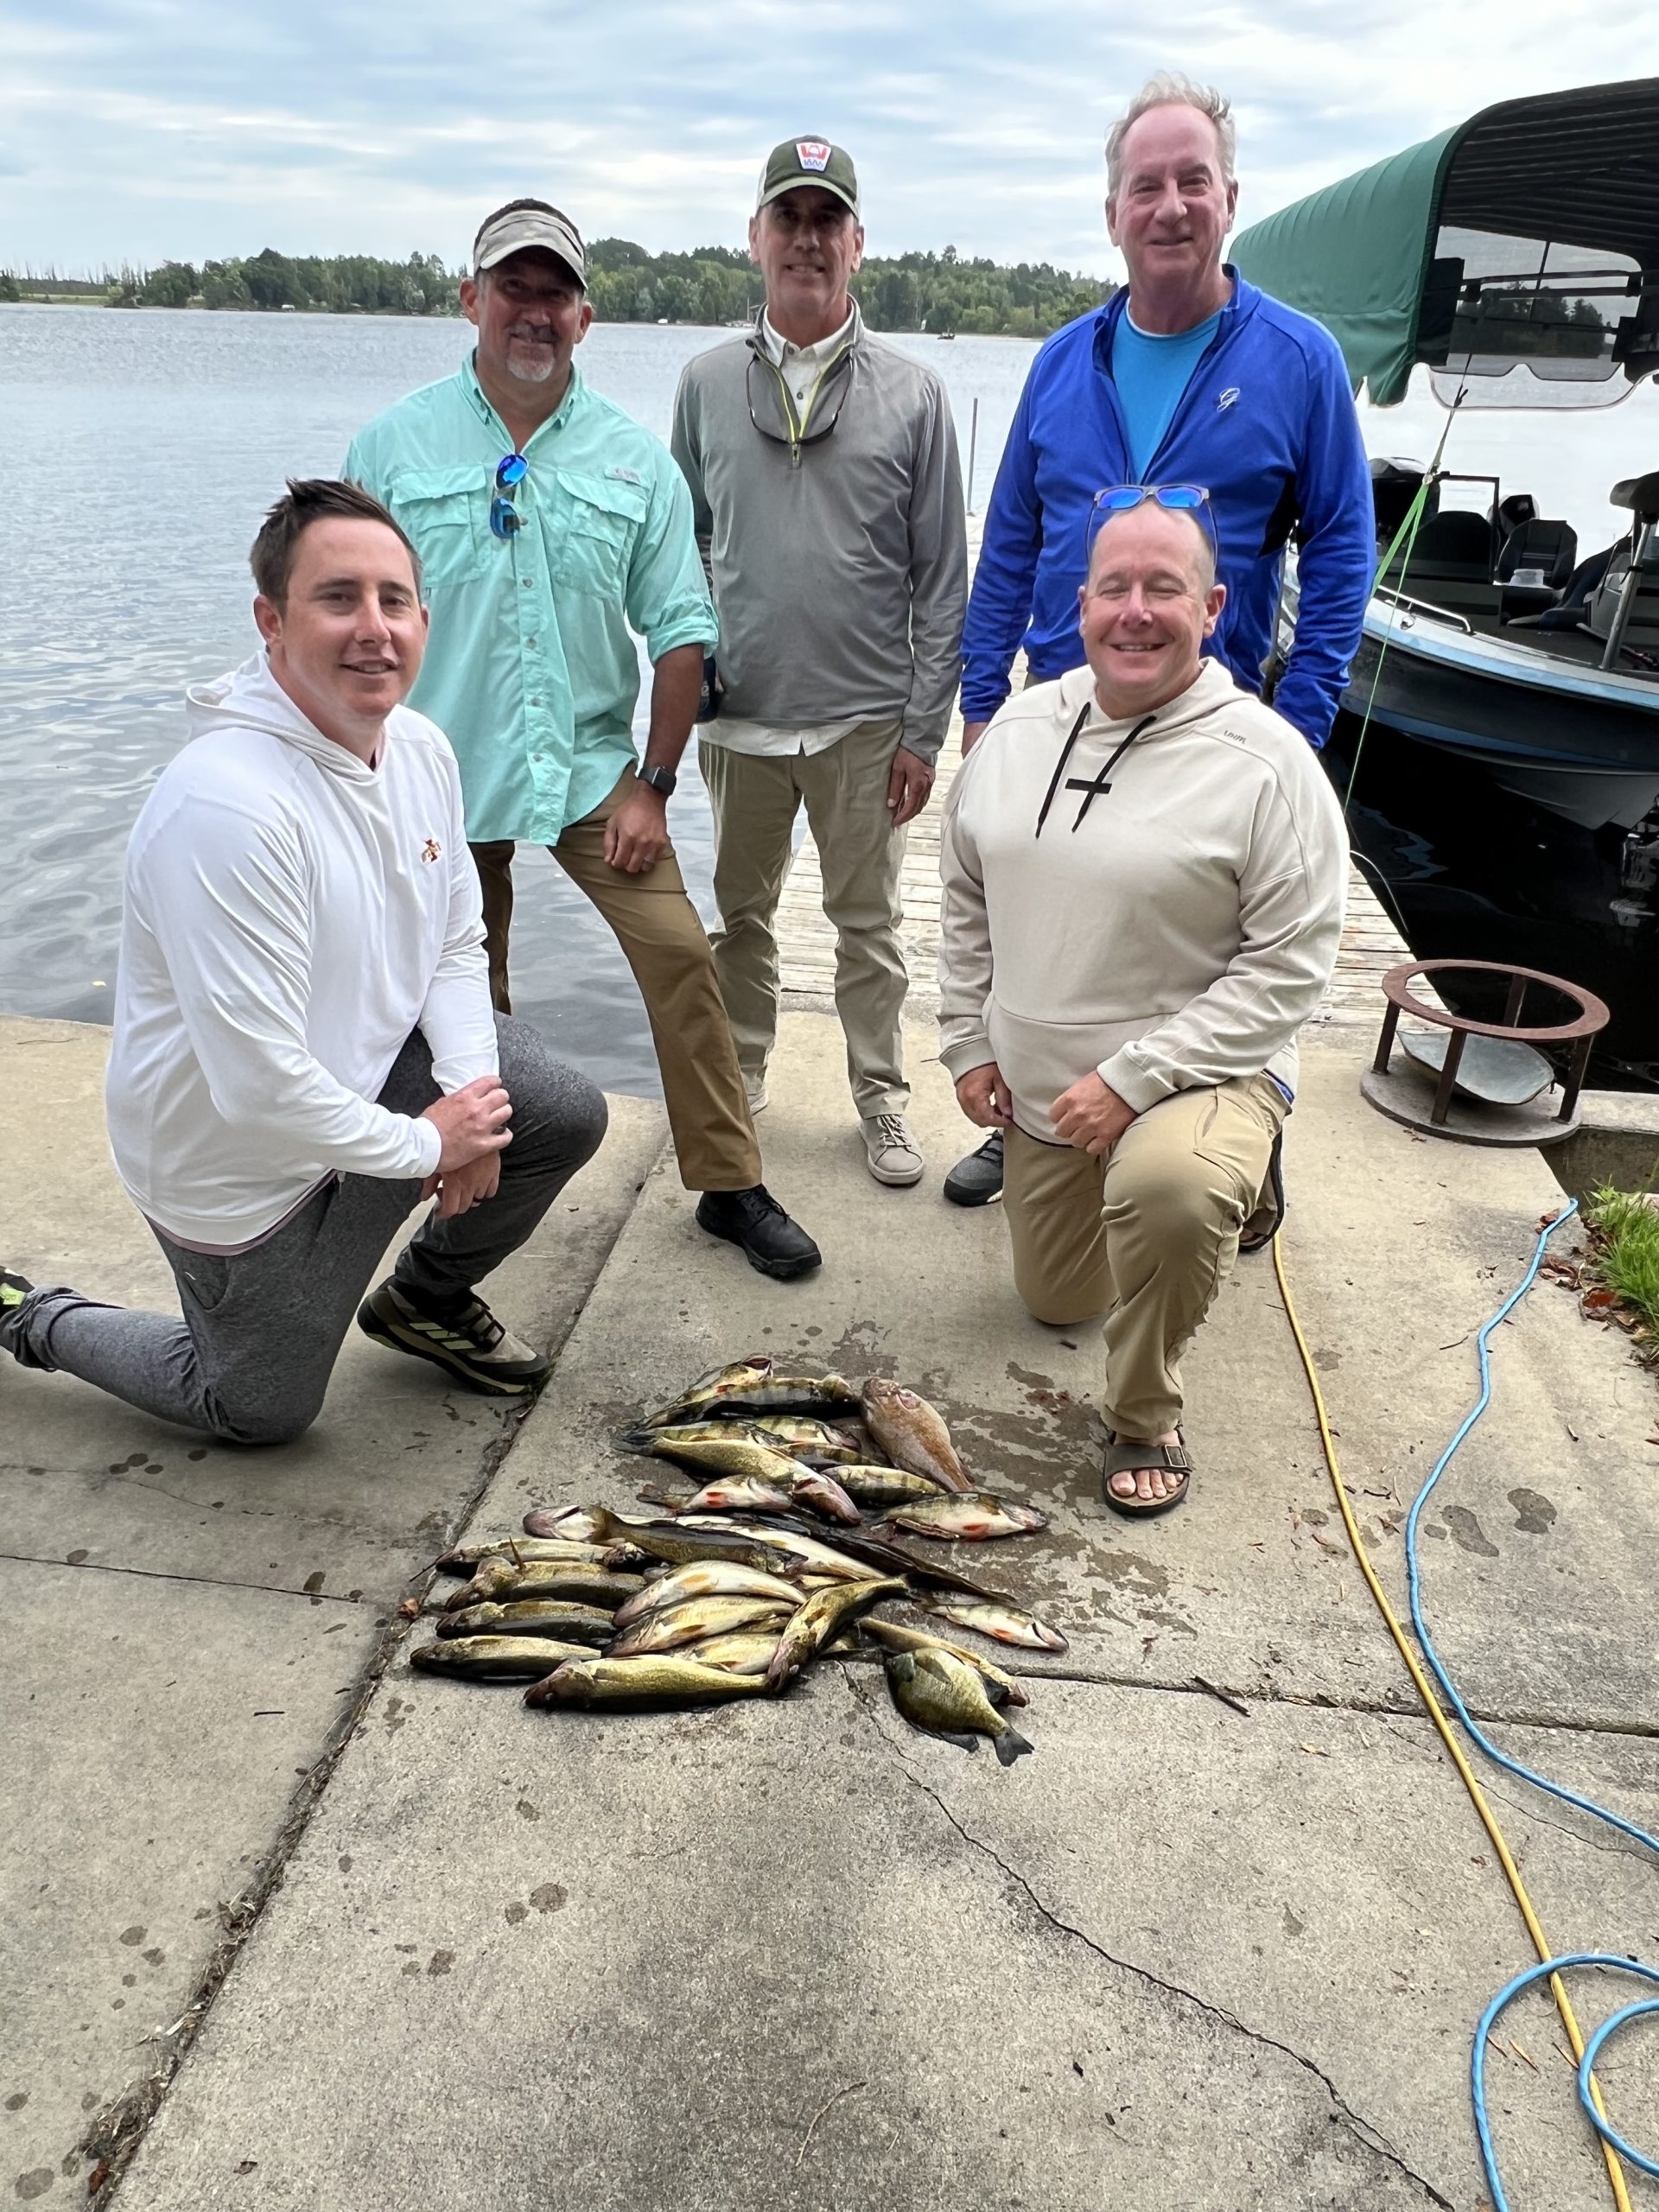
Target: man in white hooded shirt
column 1144, row 871
column 304, row 1044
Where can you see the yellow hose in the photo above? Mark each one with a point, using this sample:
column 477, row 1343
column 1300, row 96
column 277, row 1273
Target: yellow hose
column 1432, row 1706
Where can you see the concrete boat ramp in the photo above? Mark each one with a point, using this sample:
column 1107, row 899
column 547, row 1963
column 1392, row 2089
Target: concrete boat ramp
column 311, row 1931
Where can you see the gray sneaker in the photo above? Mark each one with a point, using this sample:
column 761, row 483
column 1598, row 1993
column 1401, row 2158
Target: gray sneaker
column 893, row 1156
column 977, row 1180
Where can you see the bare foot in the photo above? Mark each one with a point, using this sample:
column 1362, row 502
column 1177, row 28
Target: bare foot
column 1151, row 1485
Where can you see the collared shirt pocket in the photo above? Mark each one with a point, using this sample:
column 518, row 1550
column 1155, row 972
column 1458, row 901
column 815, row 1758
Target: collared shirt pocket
column 447, row 512
column 603, row 516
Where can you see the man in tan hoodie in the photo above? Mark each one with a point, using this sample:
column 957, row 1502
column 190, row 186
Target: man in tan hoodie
column 1144, row 870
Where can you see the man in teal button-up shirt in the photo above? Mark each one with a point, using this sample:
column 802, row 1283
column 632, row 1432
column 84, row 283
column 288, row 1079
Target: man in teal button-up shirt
column 553, row 528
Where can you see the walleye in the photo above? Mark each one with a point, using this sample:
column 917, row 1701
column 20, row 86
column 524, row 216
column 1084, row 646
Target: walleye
column 871, row 1485
column 895, row 1636
column 1006, row 1622
column 528, row 1551
column 709, row 1536
column 706, row 1578
column 823, row 1618
column 688, row 1623
column 972, row 1516
column 499, row 1580
column 532, row 1617
column 865, row 1553
column 573, row 1521
column 813, row 1442
column 665, row 1678
column 496, row 1658
column 945, row 1696
column 745, row 1652
column 813, row 1488
column 755, row 1386
column 786, row 1542
column 912, row 1433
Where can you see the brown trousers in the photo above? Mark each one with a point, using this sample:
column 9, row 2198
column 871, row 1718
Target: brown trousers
column 1146, row 1234
column 658, row 928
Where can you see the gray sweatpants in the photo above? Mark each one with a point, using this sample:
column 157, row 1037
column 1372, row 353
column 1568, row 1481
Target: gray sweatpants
column 251, row 1359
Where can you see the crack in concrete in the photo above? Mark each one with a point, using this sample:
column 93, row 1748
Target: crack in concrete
column 1362, row 2130
column 208, row 1581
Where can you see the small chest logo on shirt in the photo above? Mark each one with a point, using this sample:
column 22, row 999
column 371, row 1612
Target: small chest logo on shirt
column 812, row 154
column 1228, row 399
column 431, row 850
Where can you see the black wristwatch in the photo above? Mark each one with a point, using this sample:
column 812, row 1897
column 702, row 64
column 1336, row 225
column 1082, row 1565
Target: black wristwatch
column 660, row 780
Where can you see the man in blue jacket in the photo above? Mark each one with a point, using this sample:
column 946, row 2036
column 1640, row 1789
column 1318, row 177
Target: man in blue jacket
column 1189, row 375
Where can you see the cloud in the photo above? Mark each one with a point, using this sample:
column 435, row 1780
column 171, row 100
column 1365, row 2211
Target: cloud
column 185, row 128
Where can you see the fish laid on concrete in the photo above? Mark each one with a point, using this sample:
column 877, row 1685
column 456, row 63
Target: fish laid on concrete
column 815, row 1443
column 870, row 1485
column 751, row 1387
column 532, row 1617
column 496, row 1658
column 696, row 1617
column 792, row 1544
column 1006, row 1622
column 744, row 1651
column 705, row 1535
column 497, row 1581
column 894, row 1636
column 726, row 1494
column 945, row 1696
column 912, row 1433
column 972, row 1516
column 824, row 1615
column 661, row 1678
column 527, row 1551
column 707, row 1577
column 575, row 1521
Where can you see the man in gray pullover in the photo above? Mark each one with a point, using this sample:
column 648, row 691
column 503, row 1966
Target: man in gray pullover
column 839, row 569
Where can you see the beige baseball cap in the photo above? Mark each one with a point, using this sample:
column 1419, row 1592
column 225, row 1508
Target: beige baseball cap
column 530, row 223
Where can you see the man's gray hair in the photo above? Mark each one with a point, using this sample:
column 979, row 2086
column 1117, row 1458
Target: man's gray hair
column 1169, row 88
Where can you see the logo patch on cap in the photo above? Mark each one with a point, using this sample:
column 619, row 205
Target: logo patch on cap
column 813, row 155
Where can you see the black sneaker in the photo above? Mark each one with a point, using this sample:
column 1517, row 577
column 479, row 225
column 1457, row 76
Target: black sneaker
column 754, row 1220
column 14, row 1289
column 464, row 1336
column 977, row 1180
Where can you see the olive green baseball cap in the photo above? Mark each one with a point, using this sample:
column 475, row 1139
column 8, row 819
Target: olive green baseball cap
column 807, row 161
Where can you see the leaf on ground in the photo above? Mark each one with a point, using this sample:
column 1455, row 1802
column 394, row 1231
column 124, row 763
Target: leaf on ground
column 1313, row 1751
column 1597, row 1302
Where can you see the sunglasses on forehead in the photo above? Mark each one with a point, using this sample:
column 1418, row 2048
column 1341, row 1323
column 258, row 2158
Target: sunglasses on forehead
column 1176, row 498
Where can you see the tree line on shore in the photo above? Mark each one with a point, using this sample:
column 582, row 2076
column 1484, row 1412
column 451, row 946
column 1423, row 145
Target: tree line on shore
column 939, row 292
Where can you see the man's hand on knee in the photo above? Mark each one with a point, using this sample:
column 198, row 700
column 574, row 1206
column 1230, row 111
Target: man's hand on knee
column 463, row 1188
column 472, row 1123
column 1090, row 1117
column 984, row 1097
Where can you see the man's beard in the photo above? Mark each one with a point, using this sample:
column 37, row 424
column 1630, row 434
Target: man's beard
column 530, row 371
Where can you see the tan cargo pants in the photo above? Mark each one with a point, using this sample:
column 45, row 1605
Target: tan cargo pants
column 1146, row 1234
column 658, row 928
column 756, row 799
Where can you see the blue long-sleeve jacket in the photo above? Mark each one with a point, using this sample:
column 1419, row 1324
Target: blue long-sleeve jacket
column 1267, row 424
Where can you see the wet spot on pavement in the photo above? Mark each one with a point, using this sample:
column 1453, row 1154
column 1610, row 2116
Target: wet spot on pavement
column 548, row 1898
column 1533, row 1513
column 1467, row 1533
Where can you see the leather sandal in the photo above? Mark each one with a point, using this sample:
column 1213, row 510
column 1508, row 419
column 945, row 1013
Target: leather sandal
column 1128, row 1458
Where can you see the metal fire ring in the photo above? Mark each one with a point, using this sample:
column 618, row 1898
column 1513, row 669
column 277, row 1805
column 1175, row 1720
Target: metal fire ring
column 1481, row 1125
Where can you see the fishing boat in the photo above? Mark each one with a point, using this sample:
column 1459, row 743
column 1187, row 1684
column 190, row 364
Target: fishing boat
column 1505, row 694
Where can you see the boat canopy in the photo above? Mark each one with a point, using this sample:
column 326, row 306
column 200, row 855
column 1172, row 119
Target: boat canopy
column 1521, row 246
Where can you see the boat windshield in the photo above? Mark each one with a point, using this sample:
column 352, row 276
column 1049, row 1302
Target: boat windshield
column 1521, row 318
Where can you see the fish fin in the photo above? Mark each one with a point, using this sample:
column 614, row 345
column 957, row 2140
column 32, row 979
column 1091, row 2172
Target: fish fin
column 1009, row 1745
column 959, row 1736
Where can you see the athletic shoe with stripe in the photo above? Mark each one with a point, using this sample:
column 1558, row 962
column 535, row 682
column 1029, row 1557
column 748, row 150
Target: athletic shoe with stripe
column 463, row 1336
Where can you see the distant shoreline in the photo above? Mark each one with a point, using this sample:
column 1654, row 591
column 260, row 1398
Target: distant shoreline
column 398, row 314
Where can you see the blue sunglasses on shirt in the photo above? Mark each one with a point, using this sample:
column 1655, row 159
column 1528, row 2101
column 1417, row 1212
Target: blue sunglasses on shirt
column 504, row 518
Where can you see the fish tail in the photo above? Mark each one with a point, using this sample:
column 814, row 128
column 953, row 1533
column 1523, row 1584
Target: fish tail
column 1009, row 1745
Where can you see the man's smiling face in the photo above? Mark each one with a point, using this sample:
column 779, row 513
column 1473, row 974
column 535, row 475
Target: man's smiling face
column 346, row 642
column 806, row 243
column 1172, row 208
column 1150, row 602
column 530, row 315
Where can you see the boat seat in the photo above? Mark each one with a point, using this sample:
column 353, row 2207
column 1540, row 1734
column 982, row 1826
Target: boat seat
column 1640, row 494
column 1551, row 546
column 1641, row 638
column 1450, row 564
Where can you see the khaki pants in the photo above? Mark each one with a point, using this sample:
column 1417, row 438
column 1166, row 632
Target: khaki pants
column 658, row 928
column 756, row 799
column 1146, row 1234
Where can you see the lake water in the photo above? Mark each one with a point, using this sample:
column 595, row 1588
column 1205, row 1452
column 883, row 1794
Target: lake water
column 137, row 454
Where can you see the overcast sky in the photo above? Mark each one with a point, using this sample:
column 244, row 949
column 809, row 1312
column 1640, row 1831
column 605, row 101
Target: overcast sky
column 143, row 129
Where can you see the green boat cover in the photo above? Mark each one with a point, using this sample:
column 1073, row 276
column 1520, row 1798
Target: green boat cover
column 1578, row 167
